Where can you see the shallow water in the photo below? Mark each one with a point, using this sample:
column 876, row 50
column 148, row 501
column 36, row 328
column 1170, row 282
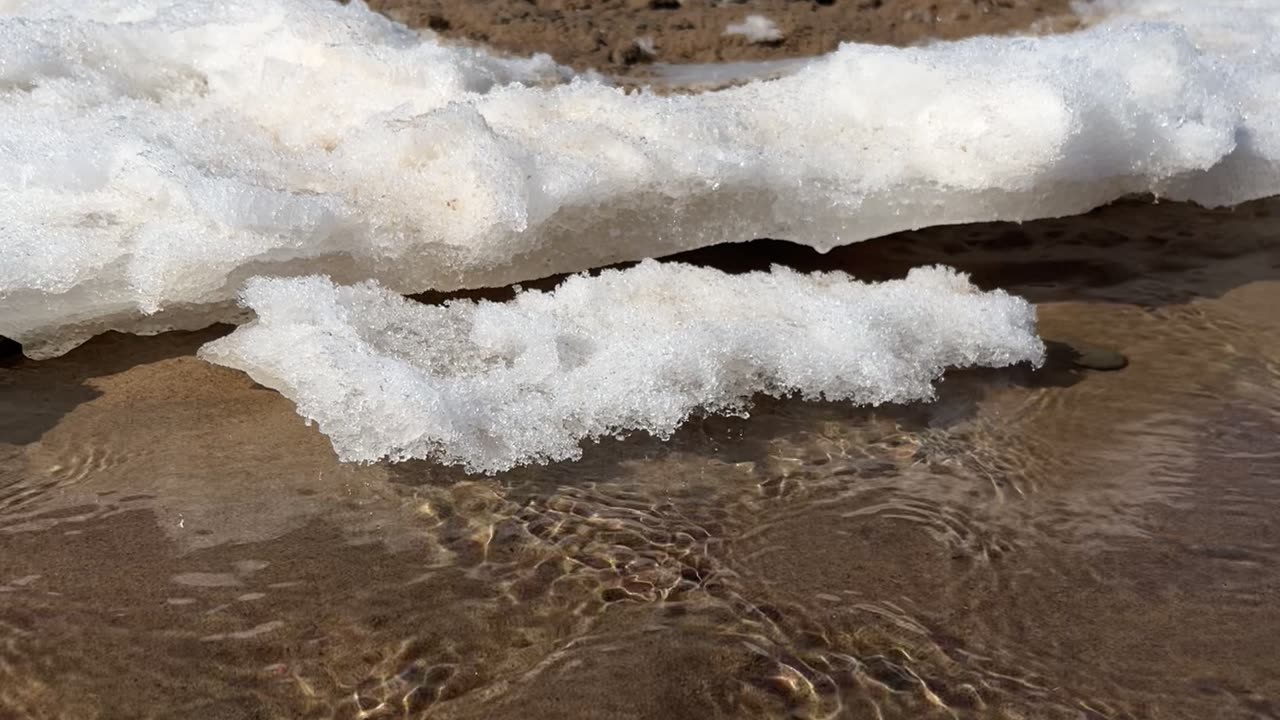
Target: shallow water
column 1065, row 543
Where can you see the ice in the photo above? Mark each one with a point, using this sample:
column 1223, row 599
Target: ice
column 495, row 385
column 756, row 29
column 711, row 76
column 155, row 154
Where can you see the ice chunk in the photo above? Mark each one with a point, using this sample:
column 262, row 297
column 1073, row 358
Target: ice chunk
column 1240, row 42
column 494, row 385
column 756, row 29
column 154, row 154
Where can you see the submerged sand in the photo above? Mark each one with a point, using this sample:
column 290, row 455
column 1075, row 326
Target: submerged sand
column 1062, row 543
column 1068, row 543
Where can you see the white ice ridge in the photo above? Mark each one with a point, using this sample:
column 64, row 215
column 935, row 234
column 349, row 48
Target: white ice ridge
column 154, row 154
column 494, row 385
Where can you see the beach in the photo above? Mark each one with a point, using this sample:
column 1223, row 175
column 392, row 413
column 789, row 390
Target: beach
column 1096, row 538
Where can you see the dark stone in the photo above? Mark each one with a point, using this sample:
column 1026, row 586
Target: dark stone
column 1096, row 358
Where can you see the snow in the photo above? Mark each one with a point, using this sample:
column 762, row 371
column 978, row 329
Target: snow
column 494, row 385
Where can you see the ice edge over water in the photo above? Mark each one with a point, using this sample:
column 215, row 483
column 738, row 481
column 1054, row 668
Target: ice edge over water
column 156, row 154
column 494, row 385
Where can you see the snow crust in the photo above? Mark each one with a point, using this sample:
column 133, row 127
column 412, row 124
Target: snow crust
column 494, row 385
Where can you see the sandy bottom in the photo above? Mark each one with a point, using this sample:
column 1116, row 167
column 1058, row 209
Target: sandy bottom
column 1067, row 543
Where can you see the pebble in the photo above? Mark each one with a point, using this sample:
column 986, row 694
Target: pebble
column 1096, row 358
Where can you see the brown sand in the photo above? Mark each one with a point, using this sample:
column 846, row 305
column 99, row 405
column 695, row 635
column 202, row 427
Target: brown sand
column 602, row 34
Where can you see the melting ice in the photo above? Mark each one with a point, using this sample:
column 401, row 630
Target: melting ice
column 155, row 154
column 158, row 157
column 494, row 385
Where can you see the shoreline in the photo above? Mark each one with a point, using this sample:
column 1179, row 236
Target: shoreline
column 175, row 542
column 1054, row 527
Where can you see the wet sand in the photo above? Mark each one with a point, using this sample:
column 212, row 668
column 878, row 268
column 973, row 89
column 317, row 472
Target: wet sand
column 603, row 34
column 1063, row 543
